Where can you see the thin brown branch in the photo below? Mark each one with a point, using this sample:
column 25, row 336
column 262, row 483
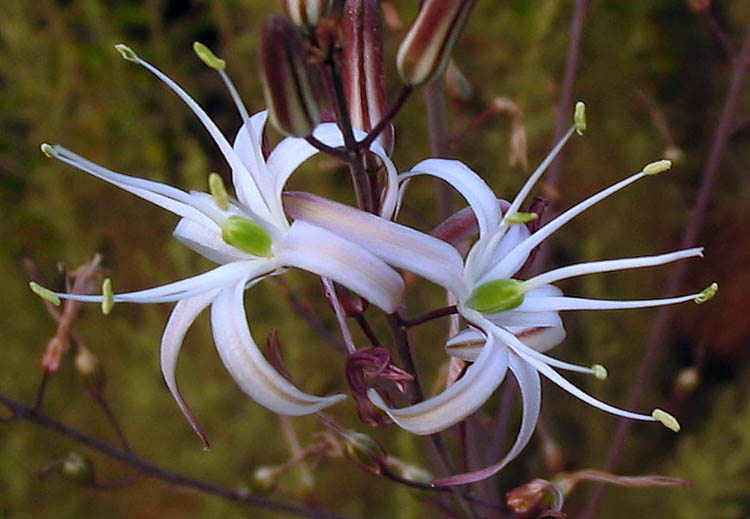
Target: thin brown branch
column 430, row 316
column 152, row 470
column 660, row 330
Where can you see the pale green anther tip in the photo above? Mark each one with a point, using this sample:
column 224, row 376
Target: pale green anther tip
column 126, row 52
column 660, row 166
column 667, row 420
column 48, row 150
column 517, row 218
column 707, row 293
column 44, row 293
column 108, row 296
column 599, row 371
column 208, row 57
column 218, row 191
column 579, row 117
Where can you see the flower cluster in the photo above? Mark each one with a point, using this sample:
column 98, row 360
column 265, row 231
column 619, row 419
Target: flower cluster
column 261, row 230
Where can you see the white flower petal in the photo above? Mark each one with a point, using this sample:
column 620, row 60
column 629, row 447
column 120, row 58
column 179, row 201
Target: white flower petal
column 183, row 315
column 459, row 400
column 321, row 252
column 531, row 394
column 247, row 365
column 471, row 186
column 396, row 244
column 255, row 189
column 515, row 235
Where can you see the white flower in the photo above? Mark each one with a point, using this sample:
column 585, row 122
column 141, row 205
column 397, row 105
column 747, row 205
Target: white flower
column 511, row 322
column 250, row 238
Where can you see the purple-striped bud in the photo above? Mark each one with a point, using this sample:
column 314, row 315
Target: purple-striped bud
column 306, row 13
column 426, row 49
column 286, row 85
column 364, row 74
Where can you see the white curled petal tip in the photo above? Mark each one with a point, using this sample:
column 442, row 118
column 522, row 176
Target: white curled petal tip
column 531, row 394
column 466, row 345
column 324, row 253
column 247, row 365
column 182, row 317
column 396, row 244
column 471, row 186
column 458, row 401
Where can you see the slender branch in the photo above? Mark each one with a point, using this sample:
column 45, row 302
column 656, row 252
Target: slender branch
column 387, row 118
column 689, row 239
column 152, row 470
column 437, row 120
column 430, row 316
column 325, row 148
column 364, row 325
column 102, row 401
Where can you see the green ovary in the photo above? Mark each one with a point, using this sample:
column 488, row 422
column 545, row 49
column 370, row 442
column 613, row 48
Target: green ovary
column 497, row 296
column 247, row 236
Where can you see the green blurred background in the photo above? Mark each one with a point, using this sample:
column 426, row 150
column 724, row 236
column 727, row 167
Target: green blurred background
column 62, row 82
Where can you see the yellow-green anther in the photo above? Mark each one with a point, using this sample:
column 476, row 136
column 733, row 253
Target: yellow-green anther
column 517, row 218
column 126, row 52
column 426, row 48
column 599, row 371
column 306, row 12
column 660, row 166
column 208, row 57
column 48, row 150
column 579, row 118
column 218, row 190
column 669, row 421
column 44, row 293
column 247, row 236
column 108, row 296
column 707, row 293
column 497, row 296
column 289, row 95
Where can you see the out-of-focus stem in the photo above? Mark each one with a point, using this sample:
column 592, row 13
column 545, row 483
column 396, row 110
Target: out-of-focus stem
column 437, row 120
column 689, row 239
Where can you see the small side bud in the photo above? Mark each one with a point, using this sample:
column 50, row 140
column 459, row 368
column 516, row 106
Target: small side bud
column 247, row 236
column 91, row 371
column 218, row 191
column 497, row 296
column 529, row 496
column 600, row 371
column 264, row 480
column 669, row 421
column 707, row 294
column 48, row 150
column 687, row 380
column 426, row 48
column 126, row 52
column 660, row 166
column 286, row 85
column 108, row 296
column 208, row 57
column 365, row 452
column 517, row 218
column 44, row 293
column 306, row 13
column 579, row 118
column 416, row 474
column 78, row 469
column 363, row 67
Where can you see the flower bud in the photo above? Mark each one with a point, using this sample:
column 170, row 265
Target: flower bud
column 264, row 480
column 529, row 496
column 78, row 469
column 364, row 451
column 305, row 13
column 363, row 69
column 426, row 49
column 90, row 370
column 286, row 85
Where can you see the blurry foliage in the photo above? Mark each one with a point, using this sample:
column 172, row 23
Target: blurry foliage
column 61, row 81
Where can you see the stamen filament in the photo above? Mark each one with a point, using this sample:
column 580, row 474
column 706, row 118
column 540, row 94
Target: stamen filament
column 557, row 304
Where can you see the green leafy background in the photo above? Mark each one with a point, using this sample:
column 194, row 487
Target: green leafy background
column 62, row 82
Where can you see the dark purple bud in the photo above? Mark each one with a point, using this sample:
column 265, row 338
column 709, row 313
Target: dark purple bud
column 286, row 84
column 305, row 13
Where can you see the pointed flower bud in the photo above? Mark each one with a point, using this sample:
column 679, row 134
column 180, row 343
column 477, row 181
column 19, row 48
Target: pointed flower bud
column 264, row 480
column 363, row 69
column 497, row 296
column 305, row 13
column 529, row 496
column 248, row 236
column 426, row 49
column 365, row 452
column 286, row 84
column 90, row 370
column 78, row 469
